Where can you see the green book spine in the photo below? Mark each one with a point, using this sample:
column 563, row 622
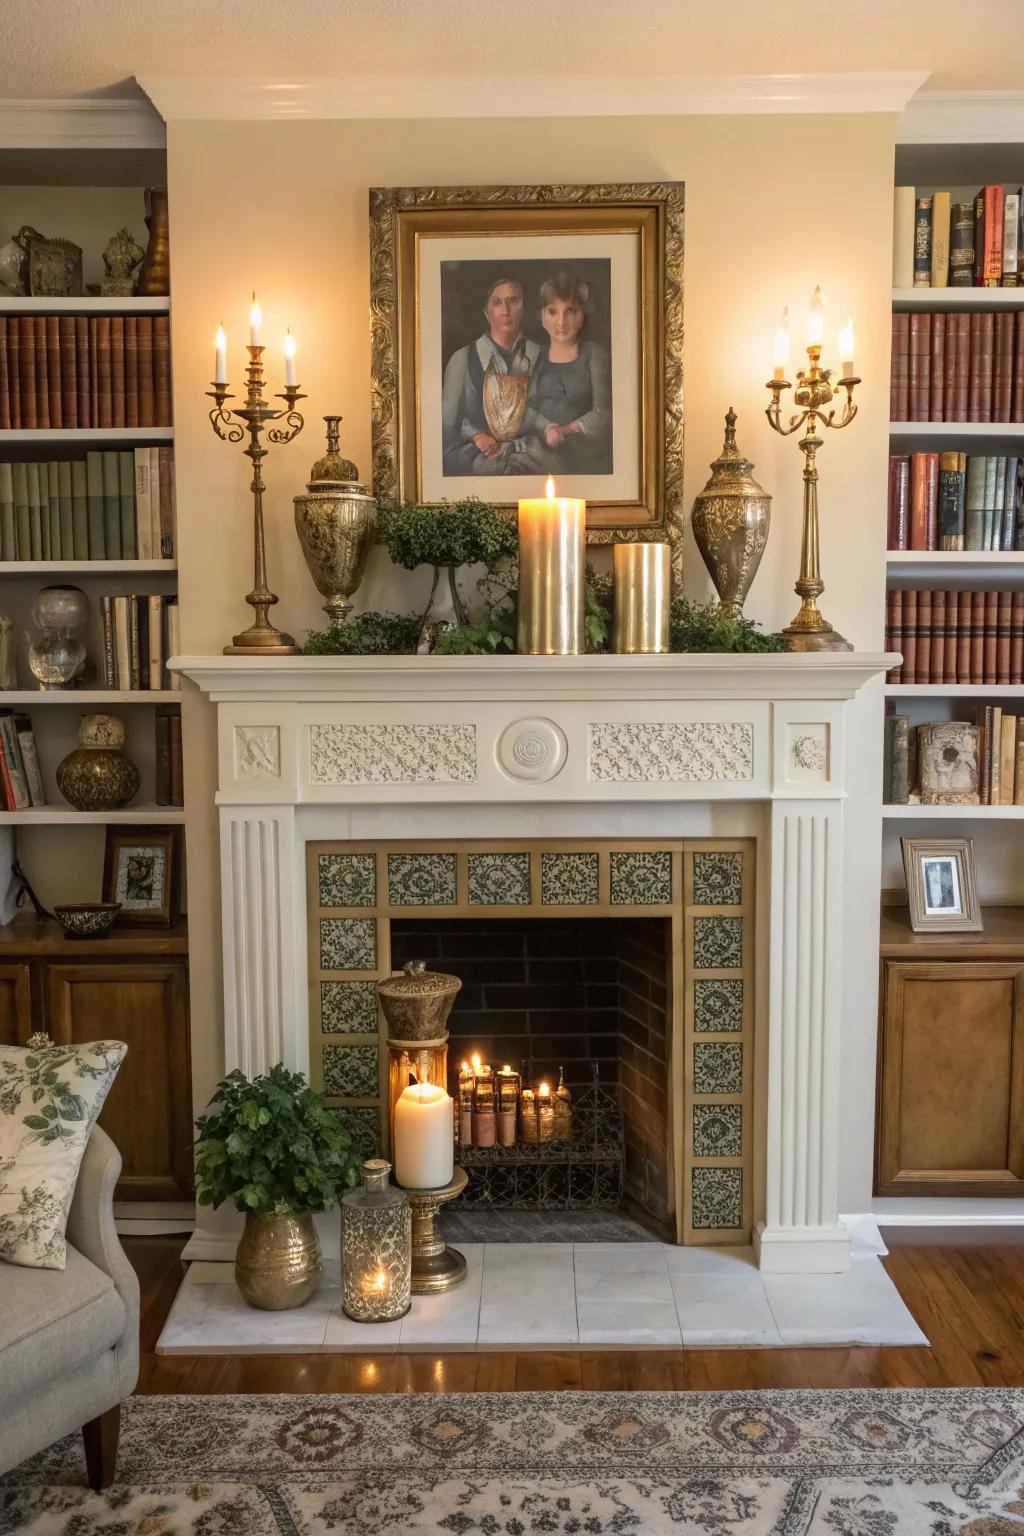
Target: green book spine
column 44, row 511
column 94, row 484
column 79, row 511
column 35, row 513
column 65, row 516
column 111, row 505
column 22, row 529
column 53, row 495
column 126, row 482
column 974, row 516
column 990, row 502
column 7, row 541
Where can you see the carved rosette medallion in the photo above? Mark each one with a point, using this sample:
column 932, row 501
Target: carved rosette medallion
column 532, row 750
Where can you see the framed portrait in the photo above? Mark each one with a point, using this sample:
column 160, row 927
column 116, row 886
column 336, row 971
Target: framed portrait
column 519, row 332
column 942, row 888
column 142, row 870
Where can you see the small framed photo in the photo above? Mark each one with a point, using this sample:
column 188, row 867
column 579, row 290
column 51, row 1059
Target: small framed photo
column 942, row 889
column 142, row 870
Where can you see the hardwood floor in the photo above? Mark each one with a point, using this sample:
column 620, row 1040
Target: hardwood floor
column 968, row 1300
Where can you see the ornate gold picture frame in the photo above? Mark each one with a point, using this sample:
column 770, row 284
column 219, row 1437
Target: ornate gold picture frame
column 592, row 277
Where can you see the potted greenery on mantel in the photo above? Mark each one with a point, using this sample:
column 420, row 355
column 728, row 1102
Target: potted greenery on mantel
column 272, row 1146
column 456, row 533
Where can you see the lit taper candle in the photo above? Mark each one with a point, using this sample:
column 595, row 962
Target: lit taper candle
column 289, row 358
column 780, row 347
column 220, row 371
column 815, row 320
column 552, row 568
column 846, row 347
column 255, row 323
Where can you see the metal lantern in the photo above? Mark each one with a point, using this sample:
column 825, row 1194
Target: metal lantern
column 376, row 1248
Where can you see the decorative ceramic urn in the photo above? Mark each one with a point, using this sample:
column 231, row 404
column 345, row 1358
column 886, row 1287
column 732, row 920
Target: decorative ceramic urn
column 97, row 776
column 731, row 517
column 417, row 1003
column 335, row 521
column 277, row 1262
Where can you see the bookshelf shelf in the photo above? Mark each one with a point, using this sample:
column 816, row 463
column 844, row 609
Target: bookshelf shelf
column 89, row 567
column 67, row 816
column 955, row 557
column 953, row 812
column 949, row 429
column 954, row 690
column 88, row 304
column 32, row 696
column 957, row 298
column 85, row 435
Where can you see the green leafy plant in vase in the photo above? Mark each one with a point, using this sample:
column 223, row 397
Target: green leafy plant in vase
column 272, row 1146
column 446, row 536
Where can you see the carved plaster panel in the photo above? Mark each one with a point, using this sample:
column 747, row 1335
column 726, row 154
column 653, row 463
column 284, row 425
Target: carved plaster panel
column 808, row 752
column 701, row 751
column 257, row 752
column 392, row 754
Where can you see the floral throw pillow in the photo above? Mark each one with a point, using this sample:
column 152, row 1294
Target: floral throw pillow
column 50, row 1097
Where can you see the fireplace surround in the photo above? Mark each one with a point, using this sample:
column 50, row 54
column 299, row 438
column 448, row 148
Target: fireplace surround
column 604, row 750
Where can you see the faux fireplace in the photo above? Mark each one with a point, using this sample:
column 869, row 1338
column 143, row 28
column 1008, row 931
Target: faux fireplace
column 613, row 755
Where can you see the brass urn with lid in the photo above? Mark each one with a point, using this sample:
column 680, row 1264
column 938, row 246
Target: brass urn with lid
column 335, row 521
column 731, row 517
column 417, row 1003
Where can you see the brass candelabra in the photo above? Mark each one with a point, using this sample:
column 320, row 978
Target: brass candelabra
column 814, row 395
column 261, row 638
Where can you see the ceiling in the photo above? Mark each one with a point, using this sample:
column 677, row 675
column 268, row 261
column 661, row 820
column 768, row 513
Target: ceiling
column 96, row 46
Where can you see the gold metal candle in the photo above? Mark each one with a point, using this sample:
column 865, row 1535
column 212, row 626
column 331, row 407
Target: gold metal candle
column 484, row 1107
column 552, row 571
column 508, row 1100
column 643, row 597
column 545, row 1113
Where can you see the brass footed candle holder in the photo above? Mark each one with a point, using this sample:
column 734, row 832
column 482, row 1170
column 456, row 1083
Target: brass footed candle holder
column 814, row 392
column 261, row 638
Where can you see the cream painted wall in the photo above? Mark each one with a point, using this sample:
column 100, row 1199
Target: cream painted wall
column 773, row 206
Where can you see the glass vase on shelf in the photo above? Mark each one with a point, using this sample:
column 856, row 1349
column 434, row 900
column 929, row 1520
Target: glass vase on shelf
column 445, row 609
column 56, row 656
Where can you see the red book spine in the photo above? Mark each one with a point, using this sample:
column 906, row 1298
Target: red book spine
column 131, row 372
column 83, row 354
column 899, row 501
column 1003, row 637
column 894, row 628
column 144, row 332
column 919, row 509
column 991, row 611
column 977, row 638
column 986, row 343
column 937, row 368
column 94, row 376
column 162, row 370
column 949, row 384
column 963, row 638
column 117, row 412
column 53, row 365
column 42, row 374
column 1017, row 406
column 899, row 396
column 27, row 333
column 993, row 236
column 938, row 638
column 10, row 802
column 924, row 636
column 985, row 723
column 14, row 369
column 908, row 672
column 920, row 367
column 1017, row 637
column 962, row 366
column 104, row 381
column 68, row 363
column 1002, row 391
column 949, row 658
column 5, row 378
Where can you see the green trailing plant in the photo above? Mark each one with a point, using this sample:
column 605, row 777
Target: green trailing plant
column 598, row 597
column 271, row 1145
column 495, row 635
column 703, row 627
column 368, row 634
column 452, row 533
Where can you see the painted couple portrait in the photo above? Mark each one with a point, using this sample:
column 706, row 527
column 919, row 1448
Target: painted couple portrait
column 527, row 382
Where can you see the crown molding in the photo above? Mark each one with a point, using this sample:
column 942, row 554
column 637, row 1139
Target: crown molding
column 80, row 123
column 180, row 98
column 963, row 117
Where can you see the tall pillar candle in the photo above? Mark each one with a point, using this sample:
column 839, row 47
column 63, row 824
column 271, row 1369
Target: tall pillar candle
column 643, row 598
column 552, row 571
column 424, row 1138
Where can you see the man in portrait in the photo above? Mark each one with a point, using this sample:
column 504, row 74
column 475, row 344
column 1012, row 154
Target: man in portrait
column 501, row 355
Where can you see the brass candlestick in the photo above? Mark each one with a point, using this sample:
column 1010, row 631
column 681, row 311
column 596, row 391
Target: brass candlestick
column 261, row 638
column 814, row 392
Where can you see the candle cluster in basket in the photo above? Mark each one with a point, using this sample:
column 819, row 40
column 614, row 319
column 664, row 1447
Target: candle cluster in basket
column 495, row 1109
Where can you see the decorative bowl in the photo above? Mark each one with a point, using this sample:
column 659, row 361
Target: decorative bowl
column 87, row 919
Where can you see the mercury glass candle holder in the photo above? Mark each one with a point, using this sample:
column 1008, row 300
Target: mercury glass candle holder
column 376, row 1248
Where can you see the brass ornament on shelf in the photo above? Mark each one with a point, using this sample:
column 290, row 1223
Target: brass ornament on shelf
column 731, row 518
column 97, row 776
column 277, row 1262
column 154, row 276
column 335, row 521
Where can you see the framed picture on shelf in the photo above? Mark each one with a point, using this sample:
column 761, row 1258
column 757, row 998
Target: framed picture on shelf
column 519, row 332
column 942, row 888
column 142, row 870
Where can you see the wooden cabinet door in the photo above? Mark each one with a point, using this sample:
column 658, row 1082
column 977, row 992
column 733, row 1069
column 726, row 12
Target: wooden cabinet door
column 16, row 1021
column 951, row 1079
column 148, row 1113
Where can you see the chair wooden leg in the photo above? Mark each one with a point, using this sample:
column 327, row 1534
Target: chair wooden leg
column 100, row 1439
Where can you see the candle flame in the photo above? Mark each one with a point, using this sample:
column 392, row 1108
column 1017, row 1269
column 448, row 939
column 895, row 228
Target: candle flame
column 476, row 1063
column 464, row 1067
column 289, row 343
column 507, row 1069
column 221, row 341
column 549, row 489
column 379, row 1281
column 815, row 319
column 544, row 1090
column 255, row 313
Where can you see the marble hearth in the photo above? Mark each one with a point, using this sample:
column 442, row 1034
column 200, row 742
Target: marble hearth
column 371, row 750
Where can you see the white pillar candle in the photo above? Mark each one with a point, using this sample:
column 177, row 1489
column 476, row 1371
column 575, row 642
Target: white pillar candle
column 220, row 371
column 424, row 1138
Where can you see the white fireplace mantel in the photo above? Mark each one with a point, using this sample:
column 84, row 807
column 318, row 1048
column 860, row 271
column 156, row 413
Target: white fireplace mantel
column 300, row 735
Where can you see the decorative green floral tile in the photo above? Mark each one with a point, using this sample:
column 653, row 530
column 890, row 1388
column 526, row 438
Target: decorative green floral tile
column 718, row 1130
column 348, row 944
column 717, row 1200
column 717, row 1005
column 347, row 879
column 348, row 1007
column 421, row 879
column 569, row 879
column 717, row 879
column 641, row 879
column 717, row 1067
column 717, row 943
column 499, row 879
column 363, row 1125
column 350, row 1071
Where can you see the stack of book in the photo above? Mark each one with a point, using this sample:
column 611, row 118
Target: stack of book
column 956, row 637
column 957, row 367
column 169, row 769
column 938, row 243
column 109, row 505
column 995, row 743
column 85, row 371
column 19, row 763
column 139, row 634
column 956, row 501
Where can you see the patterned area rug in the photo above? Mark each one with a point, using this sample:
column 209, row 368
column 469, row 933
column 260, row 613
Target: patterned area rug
column 849, row 1463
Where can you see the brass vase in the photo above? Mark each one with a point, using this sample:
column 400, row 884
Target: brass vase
column 277, row 1263
column 335, row 521
column 731, row 517
column 97, row 776
column 154, row 276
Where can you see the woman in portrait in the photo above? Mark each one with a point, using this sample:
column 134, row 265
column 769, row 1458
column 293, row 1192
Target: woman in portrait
column 570, row 403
